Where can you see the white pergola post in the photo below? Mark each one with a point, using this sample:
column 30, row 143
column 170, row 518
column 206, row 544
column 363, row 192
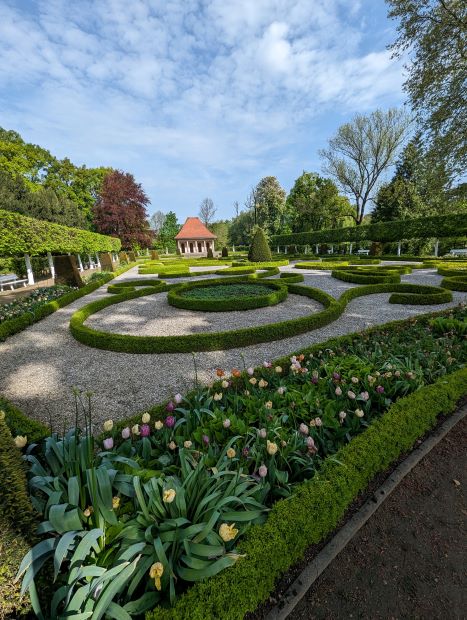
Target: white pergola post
column 51, row 264
column 98, row 262
column 350, row 249
column 332, row 248
column 398, row 248
column 316, row 249
column 286, row 249
column 278, row 250
column 27, row 260
column 436, row 247
column 166, row 250
column 233, row 248
column 80, row 262
column 91, row 262
column 306, row 249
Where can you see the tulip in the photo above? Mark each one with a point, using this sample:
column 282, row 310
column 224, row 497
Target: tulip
column 126, row 432
column 253, row 380
column 187, row 444
column 227, row 532
column 281, row 390
column 267, row 364
column 354, row 380
column 21, row 441
column 170, row 421
column 359, row 413
column 172, row 445
column 217, row 396
column 278, row 369
column 303, row 428
column 336, row 376
column 230, row 453
column 364, row 396
column 251, row 371
column 170, row 406
column 155, row 572
column 169, row 496
column 263, row 471
column 158, row 425
column 342, row 415
column 226, row 423
column 108, row 426
column 115, row 502
column 220, row 372
column 271, row 447
column 145, row 418
column 268, row 404
column 145, row 430
column 351, row 395
column 262, row 433
column 205, row 440
column 225, row 384
column 380, row 389
column 318, row 422
column 262, row 383
column 178, row 398
column 108, row 443
column 236, row 373
column 135, row 429
column 338, row 391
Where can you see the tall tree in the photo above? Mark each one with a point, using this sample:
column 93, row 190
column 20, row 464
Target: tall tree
column 221, row 230
column 241, row 227
column 314, row 203
column 156, row 221
column 168, row 230
column 361, row 151
column 267, row 200
column 207, row 211
column 435, row 32
column 29, row 161
column 121, row 210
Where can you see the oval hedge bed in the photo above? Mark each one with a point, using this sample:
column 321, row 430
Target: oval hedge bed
column 457, row 281
column 362, row 275
column 215, row 296
column 414, row 294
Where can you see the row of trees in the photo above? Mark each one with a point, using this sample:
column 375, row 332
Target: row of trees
column 35, row 183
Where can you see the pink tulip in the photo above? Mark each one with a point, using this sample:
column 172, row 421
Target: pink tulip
column 126, row 433
column 108, row 443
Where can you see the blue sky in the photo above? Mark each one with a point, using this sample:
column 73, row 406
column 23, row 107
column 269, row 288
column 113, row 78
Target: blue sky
column 195, row 98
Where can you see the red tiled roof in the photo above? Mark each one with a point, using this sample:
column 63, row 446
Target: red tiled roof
column 194, row 228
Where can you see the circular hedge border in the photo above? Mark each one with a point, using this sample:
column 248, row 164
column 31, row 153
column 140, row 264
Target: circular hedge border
column 274, row 293
column 414, row 294
column 368, row 275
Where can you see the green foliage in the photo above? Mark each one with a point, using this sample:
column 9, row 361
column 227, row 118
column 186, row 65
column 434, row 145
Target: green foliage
column 210, row 253
column 20, row 424
column 15, row 325
column 432, row 35
column 272, row 548
column 12, row 548
column 267, row 201
column 218, row 296
column 314, row 203
column 25, row 235
column 167, row 232
column 15, row 505
column 224, row 252
column 30, row 304
column 259, row 249
column 417, row 228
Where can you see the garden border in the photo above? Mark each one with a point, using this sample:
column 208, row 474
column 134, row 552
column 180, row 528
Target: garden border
column 413, row 294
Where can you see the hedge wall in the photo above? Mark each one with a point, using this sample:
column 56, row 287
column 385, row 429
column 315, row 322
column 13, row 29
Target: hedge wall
column 438, row 226
column 20, row 234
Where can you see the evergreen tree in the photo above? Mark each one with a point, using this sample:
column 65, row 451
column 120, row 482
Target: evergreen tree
column 259, row 250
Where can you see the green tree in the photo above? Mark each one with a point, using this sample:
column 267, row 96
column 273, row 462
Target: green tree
column 267, row 200
column 361, row 151
column 167, row 232
column 19, row 158
column 259, row 250
column 314, row 203
column 241, row 227
column 221, row 230
column 434, row 33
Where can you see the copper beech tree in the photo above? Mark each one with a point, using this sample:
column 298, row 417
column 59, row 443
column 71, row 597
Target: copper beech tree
column 120, row 210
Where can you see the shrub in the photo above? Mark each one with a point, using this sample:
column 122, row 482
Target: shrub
column 210, row 253
column 259, row 249
column 225, row 252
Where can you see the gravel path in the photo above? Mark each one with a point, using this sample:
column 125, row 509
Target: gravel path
column 39, row 366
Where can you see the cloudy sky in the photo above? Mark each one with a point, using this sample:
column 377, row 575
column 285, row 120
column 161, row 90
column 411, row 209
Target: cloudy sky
column 195, row 97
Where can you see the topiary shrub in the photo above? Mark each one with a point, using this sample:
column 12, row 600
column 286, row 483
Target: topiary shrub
column 154, row 255
column 210, row 254
column 259, row 249
column 224, row 252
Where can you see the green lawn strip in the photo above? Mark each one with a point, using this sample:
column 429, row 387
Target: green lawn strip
column 316, row 508
column 13, row 326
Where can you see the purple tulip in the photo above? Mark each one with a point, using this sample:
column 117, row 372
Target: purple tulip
column 380, row 389
column 170, row 406
column 205, row 440
column 170, row 421
column 126, row 432
column 178, row 398
column 108, row 443
column 314, row 380
column 145, row 430
column 246, row 451
column 336, row 376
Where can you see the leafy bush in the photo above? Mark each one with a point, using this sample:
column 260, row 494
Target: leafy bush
column 259, row 249
column 225, row 252
column 210, row 253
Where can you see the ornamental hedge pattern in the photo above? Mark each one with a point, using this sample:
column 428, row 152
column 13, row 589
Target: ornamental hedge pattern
column 20, row 234
column 437, row 226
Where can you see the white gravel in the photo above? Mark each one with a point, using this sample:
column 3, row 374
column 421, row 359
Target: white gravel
column 39, row 366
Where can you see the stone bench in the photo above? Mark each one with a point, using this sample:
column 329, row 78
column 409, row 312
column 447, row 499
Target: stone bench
column 458, row 252
column 364, row 252
column 11, row 279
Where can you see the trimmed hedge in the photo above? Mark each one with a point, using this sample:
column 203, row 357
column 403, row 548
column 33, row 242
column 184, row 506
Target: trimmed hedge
column 277, row 292
column 322, row 266
column 362, row 275
column 235, row 271
column 213, row 341
column 259, row 250
column 13, row 326
column 272, row 548
column 20, row 424
column 438, row 226
column 455, row 282
column 20, row 234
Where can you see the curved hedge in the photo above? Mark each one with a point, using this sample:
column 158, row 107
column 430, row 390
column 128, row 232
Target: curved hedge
column 212, row 341
column 365, row 275
column 277, row 292
column 20, row 234
column 456, row 281
column 438, row 226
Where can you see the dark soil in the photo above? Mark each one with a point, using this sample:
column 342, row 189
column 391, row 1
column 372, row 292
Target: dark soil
column 409, row 560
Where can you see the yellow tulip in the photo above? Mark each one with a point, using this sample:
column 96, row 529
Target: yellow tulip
column 155, row 572
column 227, row 532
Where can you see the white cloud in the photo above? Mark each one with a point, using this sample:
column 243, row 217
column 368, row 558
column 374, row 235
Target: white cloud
column 184, row 88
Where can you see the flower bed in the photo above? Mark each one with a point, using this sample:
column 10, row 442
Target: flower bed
column 30, row 304
column 16, row 324
column 325, row 415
